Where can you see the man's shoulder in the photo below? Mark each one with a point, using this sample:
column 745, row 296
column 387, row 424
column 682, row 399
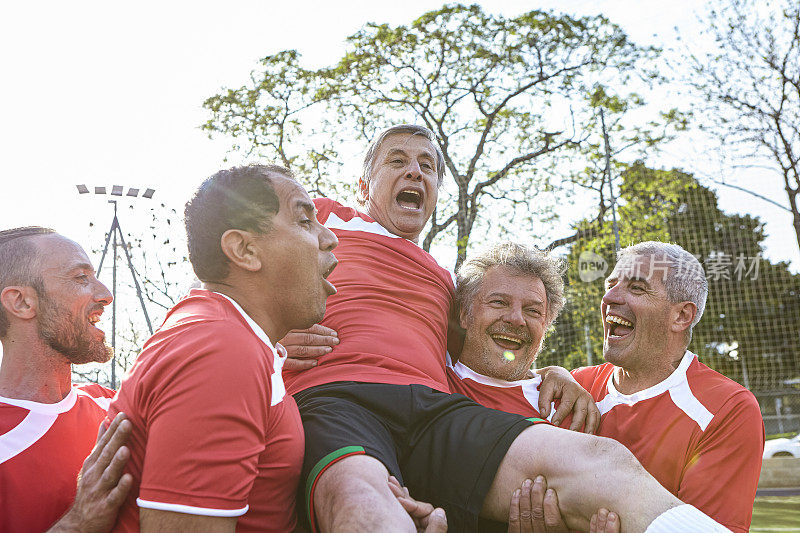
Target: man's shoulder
column 717, row 391
column 203, row 326
column 94, row 390
column 588, row 375
column 327, row 207
column 208, row 315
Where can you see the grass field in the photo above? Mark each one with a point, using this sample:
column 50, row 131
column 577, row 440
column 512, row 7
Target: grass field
column 776, row 513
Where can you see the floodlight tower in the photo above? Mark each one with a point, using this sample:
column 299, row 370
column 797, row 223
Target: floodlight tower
column 116, row 237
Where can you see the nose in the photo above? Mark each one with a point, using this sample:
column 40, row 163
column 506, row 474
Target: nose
column 413, row 170
column 327, row 240
column 514, row 316
column 613, row 295
column 102, row 294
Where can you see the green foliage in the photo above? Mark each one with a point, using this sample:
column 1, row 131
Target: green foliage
column 511, row 100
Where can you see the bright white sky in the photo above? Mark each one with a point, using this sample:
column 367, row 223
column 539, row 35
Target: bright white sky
column 102, row 93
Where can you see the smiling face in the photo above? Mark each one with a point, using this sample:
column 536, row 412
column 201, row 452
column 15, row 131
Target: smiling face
column 637, row 315
column 402, row 189
column 505, row 324
column 297, row 254
column 71, row 303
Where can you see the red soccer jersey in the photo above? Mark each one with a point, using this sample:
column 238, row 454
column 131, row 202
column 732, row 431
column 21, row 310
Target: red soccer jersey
column 698, row 433
column 520, row 397
column 42, row 448
column 391, row 308
column 214, row 432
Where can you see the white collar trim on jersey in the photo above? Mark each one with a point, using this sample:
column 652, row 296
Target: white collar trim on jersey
column 677, row 377
column 260, row 333
column 677, row 385
column 278, row 387
column 465, row 372
column 45, row 408
column 359, row 224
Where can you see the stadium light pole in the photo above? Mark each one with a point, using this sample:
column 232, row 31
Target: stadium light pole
column 116, row 237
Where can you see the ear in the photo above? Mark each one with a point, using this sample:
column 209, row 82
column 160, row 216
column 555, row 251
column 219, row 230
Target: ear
column 463, row 318
column 241, row 249
column 363, row 188
column 20, row 301
column 684, row 314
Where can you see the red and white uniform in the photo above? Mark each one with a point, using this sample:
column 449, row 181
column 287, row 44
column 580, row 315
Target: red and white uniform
column 390, row 310
column 42, row 449
column 698, row 433
column 519, row 397
column 214, row 432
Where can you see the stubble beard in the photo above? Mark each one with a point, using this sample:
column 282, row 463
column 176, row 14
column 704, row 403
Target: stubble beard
column 69, row 336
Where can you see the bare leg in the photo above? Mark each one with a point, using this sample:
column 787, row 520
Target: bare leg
column 587, row 472
column 354, row 495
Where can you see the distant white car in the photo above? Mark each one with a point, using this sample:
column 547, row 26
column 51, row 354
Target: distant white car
column 782, row 447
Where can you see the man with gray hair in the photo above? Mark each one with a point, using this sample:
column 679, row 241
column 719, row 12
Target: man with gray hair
column 697, row 432
column 507, row 297
column 378, row 403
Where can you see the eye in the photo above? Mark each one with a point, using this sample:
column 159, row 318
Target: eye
column 306, row 222
column 427, row 166
column 497, row 302
column 83, row 278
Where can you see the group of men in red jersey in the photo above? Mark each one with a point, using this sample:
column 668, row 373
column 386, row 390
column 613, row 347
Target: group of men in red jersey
column 390, row 314
column 697, row 432
column 216, row 441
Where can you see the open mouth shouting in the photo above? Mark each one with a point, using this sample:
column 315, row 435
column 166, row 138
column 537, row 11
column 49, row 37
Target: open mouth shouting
column 618, row 327
column 410, row 198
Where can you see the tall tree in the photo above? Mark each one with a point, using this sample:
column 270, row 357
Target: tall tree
column 504, row 95
column 751, row 84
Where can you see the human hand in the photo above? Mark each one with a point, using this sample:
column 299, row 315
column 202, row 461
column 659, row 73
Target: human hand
column 604, row 521
column 558, row 383
column 102, row 487
column 305, row 346
column 425, row 517
column 534, row 509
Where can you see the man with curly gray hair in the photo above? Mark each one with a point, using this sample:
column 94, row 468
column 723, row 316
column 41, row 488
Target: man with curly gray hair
column 507, row 297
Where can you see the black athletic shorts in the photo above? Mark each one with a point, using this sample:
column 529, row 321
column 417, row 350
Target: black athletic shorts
column 444, row 447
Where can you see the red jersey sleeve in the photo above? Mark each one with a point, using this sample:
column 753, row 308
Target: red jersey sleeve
column 207, row 414
column 721, row 477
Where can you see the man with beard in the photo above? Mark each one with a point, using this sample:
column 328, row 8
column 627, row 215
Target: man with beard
column 378, row 404
column 507, row 297
column 50, row 302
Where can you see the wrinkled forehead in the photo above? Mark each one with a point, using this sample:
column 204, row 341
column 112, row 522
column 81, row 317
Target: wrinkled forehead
column 650, row 268
column 416, row 142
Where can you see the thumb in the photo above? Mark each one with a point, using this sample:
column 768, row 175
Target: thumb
column 437, row 522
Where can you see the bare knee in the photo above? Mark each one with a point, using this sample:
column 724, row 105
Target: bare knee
column 353, row 495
